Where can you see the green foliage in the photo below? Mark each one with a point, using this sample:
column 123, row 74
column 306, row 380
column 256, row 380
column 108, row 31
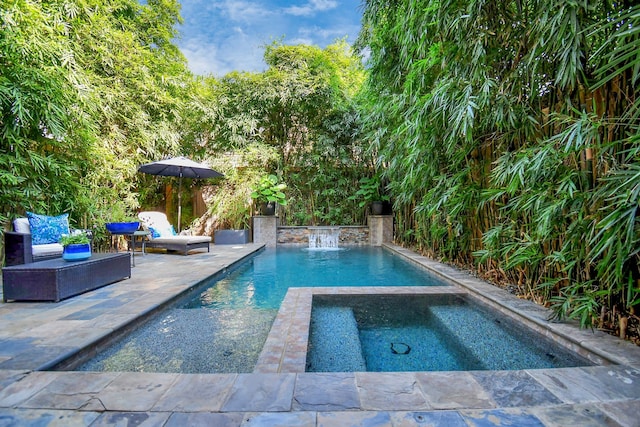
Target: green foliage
column 508, row 131
column 269, row 190
column 88, row 91
column 302, row 111
column 39, row 109
column 370, row 190
column 76, row 238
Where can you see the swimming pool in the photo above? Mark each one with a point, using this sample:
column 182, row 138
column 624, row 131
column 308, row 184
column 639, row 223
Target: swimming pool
column 222, row 326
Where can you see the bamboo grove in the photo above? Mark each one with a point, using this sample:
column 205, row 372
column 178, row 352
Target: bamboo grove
column 90, row 89
column 509, row 135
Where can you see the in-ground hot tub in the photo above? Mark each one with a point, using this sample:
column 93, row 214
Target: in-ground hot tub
column 439, row 332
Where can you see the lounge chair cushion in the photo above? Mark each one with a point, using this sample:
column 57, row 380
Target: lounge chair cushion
column 162, row 232
column 47, row 250
column 157, row 224
column 47, row 229
column 21, row 225
column 187, row 240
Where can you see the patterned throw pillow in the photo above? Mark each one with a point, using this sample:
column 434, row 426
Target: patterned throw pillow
column 167, row 231
column 153, row 232
column 47, row 229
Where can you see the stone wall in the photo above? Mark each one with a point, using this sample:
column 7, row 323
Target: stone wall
column 349, row 236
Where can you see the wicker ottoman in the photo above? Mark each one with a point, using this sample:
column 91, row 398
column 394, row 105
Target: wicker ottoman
column 57, row 279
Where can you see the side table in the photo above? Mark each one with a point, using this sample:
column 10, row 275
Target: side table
column 131, row 237
column 143, row 235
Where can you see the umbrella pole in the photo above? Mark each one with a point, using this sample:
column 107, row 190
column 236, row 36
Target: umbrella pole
column 179, row 200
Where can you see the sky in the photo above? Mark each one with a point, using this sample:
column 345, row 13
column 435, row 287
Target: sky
column 219, row 36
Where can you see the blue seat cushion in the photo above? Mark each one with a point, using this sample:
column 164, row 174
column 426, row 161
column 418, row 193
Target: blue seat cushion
column 47, row 229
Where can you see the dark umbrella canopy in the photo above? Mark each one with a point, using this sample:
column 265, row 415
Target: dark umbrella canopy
column 182, row 168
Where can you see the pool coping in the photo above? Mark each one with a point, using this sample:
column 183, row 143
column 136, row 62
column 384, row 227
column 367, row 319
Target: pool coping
column 600, row 394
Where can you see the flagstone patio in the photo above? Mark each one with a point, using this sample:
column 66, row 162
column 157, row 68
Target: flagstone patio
column 37, row 336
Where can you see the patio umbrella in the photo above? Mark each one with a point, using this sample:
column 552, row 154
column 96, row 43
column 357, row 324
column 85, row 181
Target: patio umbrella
column 180, row 167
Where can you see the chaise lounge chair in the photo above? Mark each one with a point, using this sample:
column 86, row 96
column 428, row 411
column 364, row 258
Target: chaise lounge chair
column 163, row 236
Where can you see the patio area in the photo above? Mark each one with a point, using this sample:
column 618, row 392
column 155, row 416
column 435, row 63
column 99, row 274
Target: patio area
column 36, row 336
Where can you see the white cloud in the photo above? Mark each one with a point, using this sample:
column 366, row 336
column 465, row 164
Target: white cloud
column 300, row 40
column 234, row 54
column 311, row 8
column 331, row 33
column 243, row 11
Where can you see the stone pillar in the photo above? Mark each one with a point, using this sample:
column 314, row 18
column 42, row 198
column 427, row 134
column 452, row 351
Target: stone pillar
column 380, row 229
column 265, row 230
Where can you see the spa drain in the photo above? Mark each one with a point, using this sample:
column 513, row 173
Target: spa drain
column 400, row 348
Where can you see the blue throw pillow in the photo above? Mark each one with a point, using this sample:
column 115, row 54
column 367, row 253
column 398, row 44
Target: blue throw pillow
column 153, row 232
column 47, row 229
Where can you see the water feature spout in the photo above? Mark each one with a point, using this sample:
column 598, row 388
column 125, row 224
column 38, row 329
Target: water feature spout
column 324, row 237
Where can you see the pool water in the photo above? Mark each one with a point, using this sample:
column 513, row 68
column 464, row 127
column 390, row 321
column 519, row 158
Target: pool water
column 222, row 327
column 423, row 333
column 264, row 281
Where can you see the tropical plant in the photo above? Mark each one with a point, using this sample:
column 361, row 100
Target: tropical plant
column 371, row 190
column 302, row 112
column 269, row 190
column 88, row 91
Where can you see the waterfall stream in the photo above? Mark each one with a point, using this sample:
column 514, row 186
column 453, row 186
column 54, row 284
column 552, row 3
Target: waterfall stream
column 324, row 237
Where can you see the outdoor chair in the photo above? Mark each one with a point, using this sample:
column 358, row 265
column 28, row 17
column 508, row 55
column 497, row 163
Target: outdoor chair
column 35, row 238
column 163, row 236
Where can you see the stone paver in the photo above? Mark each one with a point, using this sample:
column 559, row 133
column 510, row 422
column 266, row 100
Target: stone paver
column 270, row 419
column 453, row 390
column 139, row 419
column 261, row 392
column 24, row 386
column 387, row 391
column 73, row 390
column 501, row 417
column 135, row 391
column 204, row 419
column 585, row 415
column 279, row 392
column 195, row 393
column 49, row 418
column 362, row 418
column 326, row 392
column 435, row 418
column 515, row 389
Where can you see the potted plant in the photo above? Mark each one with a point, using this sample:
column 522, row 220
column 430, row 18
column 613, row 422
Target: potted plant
column 121, row 222
column 267, row 192
column 370, row 192
column 233, row 220
column 76, row 246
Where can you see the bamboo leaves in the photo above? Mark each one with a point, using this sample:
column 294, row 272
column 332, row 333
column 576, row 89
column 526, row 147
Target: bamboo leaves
column 499, row 137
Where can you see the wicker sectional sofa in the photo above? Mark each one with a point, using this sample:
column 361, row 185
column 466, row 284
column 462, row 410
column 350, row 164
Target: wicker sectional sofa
column 19, row 248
